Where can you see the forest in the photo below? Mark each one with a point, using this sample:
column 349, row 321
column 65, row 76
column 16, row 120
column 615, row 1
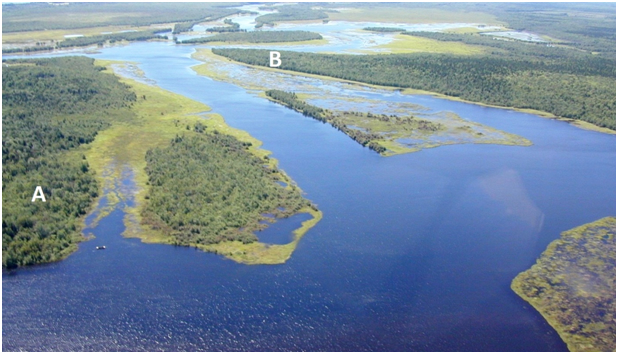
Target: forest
column 571, row 88
column 257, row 37
column 206, row 188
column 384, row 29
column 300, row 12
column 50, row 108
column 49, row 16
column 112, row 38
column 231, row 27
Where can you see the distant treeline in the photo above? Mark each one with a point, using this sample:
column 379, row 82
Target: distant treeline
column 48, row 16
column 207, row 188
column 112, row 38
column 384, row 29
column 233, row 27
column 99, row 40
column 51, row 107
column 567, row 88
column 290, row 100
column 290, row 13
column 258, row 37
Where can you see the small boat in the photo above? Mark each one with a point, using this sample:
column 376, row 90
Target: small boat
column 100, row 247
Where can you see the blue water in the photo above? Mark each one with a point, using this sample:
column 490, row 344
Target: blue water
column 415, row 251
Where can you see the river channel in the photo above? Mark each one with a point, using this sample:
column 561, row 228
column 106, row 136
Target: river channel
column 415, row 251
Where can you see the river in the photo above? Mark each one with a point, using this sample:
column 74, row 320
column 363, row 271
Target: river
column 415, row 251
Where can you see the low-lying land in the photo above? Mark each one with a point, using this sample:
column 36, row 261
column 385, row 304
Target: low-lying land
column 572, row 88
column 395, row 134
column 573, row 285
column 385, row 127
column 52, row 109
column 75, row 155
column 167, row 211
column 257, row 37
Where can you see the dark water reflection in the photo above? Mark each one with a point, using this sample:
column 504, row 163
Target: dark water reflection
column 415, row 252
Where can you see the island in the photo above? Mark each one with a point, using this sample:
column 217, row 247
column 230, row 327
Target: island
column 573, row 285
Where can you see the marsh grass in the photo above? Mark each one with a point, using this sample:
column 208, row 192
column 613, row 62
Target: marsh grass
column 156, row 118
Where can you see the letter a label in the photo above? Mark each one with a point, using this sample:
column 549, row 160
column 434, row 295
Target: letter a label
column 275, row 57
column 38, row 194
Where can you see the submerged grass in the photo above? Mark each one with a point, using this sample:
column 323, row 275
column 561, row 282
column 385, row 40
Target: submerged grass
column 573, row 285
column 410, row 44
column 158, row 116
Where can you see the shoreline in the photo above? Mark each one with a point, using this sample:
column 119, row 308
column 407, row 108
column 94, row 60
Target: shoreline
column 109, row 159
column 409, row 91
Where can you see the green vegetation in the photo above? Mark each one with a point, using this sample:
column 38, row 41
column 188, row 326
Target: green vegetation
column 51, row 107
column 232, row 27
column 184, row 27
column 384, row 29
column 573, row 285
column 289, row 99
column 112, row 38
column 414, row 44
column 49, row 16
column 395, row 134
column 208, row 188
column 258, row 37
column 99, row 40
column 573, row 88
column 291, row 13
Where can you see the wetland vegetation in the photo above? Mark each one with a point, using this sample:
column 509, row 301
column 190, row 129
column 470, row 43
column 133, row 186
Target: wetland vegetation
column 51, row 108
column 573, row 285
column 257, row 37
column 568, row 89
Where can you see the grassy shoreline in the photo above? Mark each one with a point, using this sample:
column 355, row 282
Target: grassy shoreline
column 159, row 116
column 577, row 269
column 409, row 91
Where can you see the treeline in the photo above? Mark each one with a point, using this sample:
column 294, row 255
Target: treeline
column 581, row 63
column 184, row 27
column 49, row 16
column 258, row 37
column 565, row 88
column 384, row 29
column 232, row 27
column 290, row 100
column 112, row 38
column 207, row 188
column 290, row 13
column 50, row 107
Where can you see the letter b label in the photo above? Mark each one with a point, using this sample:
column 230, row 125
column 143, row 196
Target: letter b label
column 275, row 59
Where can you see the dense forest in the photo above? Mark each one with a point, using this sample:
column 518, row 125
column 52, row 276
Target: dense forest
column 50, row 107
column 257, row 37
column 112, row 38
column 571, row 88
column 207, row 187
column 48, row 16
column 290, row 13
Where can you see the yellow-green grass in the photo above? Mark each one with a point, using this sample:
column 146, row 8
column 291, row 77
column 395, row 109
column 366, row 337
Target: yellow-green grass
column 204, row 69
column 573, row 286
column 58, row 35
column 411, row 44
column 410, row 15
column 156, row 121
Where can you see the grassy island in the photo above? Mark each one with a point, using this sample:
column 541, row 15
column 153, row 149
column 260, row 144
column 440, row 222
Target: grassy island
column 573, row 285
